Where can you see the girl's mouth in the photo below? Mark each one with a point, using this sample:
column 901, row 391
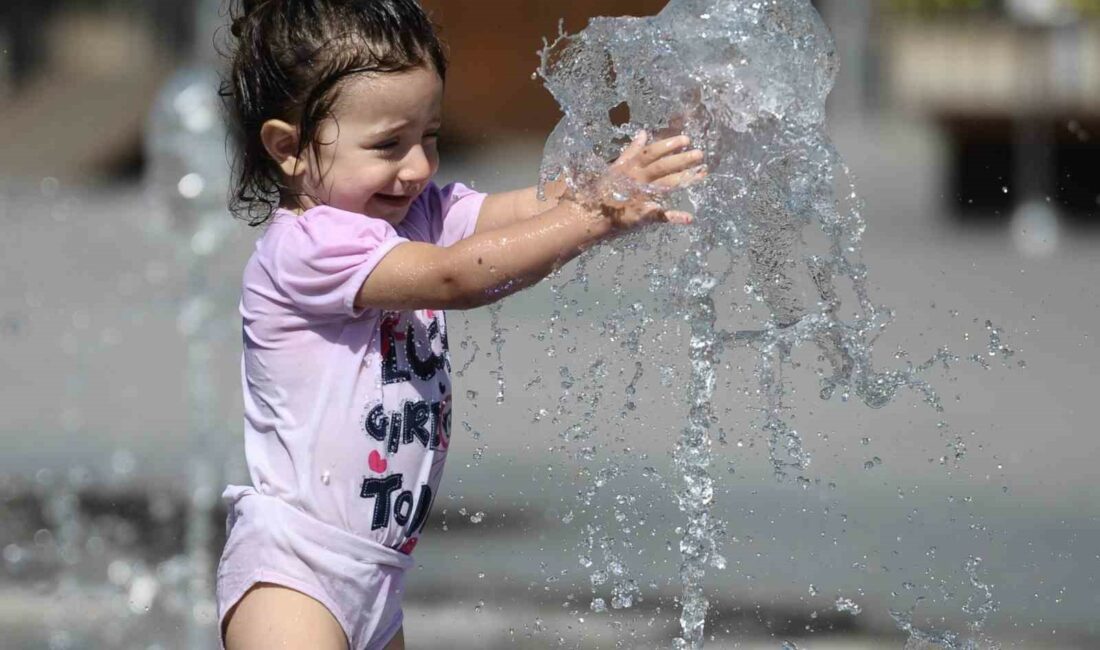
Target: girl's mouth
column 391, row 199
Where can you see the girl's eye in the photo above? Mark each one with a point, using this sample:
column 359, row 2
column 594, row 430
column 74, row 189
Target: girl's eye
column 385, row 146
column 434, row 135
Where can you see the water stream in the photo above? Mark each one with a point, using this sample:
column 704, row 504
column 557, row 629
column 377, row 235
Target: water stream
column 748, row 81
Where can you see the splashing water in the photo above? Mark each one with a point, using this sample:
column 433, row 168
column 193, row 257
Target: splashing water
column 747, row 81
column 498, row 346
column 979, row 605
column 848, row 605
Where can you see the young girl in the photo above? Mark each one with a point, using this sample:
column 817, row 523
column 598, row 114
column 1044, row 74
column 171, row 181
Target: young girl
column 337, row 109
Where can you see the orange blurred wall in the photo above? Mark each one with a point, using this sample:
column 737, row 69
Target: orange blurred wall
column 493, row 51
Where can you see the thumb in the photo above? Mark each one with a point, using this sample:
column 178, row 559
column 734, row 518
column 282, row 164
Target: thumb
column 679, row 217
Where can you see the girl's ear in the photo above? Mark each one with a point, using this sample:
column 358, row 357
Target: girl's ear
column 281, row 142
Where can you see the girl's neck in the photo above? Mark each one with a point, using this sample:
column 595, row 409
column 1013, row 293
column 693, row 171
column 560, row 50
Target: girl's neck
column 295, row 203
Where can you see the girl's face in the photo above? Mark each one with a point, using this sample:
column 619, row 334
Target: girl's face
column 379, row 151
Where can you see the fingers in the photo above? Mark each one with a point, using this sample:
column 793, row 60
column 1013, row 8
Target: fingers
column 654, row 213
column 657, row 150
column 679, row 217
column 642, row 152
column 683, row 179
column 664, row 163
column 673, row 164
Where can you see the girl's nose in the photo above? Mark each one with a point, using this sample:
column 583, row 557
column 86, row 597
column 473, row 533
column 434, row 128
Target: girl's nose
column 417, row 166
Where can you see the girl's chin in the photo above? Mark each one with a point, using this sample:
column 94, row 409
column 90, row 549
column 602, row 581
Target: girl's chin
column 391, row 211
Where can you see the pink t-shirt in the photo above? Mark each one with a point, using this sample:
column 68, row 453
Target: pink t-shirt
column 348, row 412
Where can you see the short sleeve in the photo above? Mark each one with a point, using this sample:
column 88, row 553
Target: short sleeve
column 320, row 259
column 459, row 206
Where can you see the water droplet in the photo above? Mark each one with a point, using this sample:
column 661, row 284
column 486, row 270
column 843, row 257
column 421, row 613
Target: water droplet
column 847, row 605
column 13, row 554
column 43, row 537
column 119, row 572
column 123, row 462
column 191, row 186
column 50, row 186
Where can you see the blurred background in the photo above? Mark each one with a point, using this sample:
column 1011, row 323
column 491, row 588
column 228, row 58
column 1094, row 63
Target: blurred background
column 972, row 128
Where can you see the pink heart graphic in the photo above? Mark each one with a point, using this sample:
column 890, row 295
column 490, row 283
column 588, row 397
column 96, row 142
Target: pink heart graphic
column 377, row 464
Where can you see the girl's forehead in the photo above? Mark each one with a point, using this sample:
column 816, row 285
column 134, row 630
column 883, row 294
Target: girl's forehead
column 412, row 94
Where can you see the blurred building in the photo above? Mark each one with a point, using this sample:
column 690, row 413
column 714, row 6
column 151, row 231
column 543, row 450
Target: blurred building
column 77, row 78
column 1015, row 86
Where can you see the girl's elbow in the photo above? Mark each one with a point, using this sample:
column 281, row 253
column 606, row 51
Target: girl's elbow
column 462, row 296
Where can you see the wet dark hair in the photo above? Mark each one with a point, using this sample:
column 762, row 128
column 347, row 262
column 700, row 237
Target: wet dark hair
column 289, row 61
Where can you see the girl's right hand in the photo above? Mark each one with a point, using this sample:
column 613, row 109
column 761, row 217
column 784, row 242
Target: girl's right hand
column 627, row 194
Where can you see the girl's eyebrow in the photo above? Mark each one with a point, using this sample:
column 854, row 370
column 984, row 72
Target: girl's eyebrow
column 396, row 127
column 389, row 130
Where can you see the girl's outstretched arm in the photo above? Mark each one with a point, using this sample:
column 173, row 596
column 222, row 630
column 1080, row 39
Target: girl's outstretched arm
column 483, row 268
column 506, row 208
column 491, row 265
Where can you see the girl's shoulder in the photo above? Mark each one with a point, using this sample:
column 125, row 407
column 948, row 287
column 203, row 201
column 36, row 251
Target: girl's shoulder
column 321, row 239
column 444, row 215
column 316, row 262
column 439, row 201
